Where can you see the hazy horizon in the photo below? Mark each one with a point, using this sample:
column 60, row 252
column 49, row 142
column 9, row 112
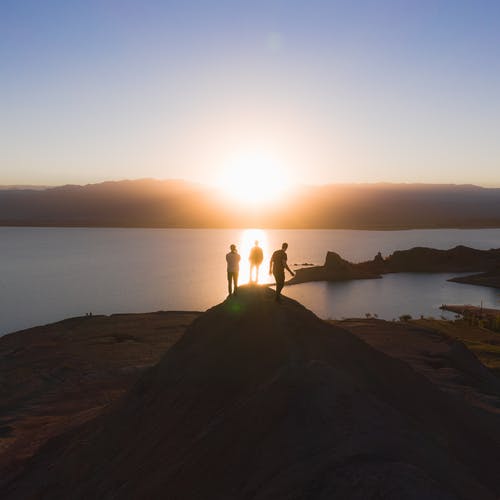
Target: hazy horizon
column 177, row 203
column 207, row 184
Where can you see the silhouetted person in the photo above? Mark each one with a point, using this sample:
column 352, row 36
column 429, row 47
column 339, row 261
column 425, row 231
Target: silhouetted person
column 233, row 268
column 256, row 257
column 277, row 266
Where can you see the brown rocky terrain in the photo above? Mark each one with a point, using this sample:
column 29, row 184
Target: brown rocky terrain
column 59, row 376
column 441, row 357
column 483, row 342
column 264, row 400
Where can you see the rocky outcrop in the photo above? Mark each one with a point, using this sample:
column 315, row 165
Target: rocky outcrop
column 419, row 259
column 263, row 400
column 335, row 268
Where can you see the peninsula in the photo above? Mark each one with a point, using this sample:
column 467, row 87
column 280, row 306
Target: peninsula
column 460, row 259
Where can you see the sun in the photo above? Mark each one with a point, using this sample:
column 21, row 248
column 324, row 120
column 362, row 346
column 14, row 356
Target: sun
column 253, row 179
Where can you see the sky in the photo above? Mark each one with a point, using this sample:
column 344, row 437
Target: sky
column 317, row 91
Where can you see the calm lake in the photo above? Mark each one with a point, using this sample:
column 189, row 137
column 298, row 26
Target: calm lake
column 48, row 274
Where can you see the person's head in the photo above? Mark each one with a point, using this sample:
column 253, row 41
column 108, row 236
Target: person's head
column 284, row 246
column 233, row 248
column 256, row 243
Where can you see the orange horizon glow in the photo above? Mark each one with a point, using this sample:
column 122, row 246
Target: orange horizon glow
column 253, row 179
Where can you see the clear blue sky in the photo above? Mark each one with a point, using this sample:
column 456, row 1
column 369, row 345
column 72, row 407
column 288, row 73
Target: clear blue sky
column 331, row 91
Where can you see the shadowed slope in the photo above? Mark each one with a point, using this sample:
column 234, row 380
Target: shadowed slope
column 266, row 401
column 57, row 376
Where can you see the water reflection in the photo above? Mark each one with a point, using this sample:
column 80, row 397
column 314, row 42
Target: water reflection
column 395, row 294
column 63, row 272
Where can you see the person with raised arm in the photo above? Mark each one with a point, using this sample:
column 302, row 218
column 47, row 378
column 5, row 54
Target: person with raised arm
column 277, row 266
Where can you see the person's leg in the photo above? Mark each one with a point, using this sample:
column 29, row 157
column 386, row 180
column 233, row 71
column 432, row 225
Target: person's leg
column 279, row 285
column 229, row 282
column 257, row 273
column 235, row 278
column 280, row 282
column 251, row 272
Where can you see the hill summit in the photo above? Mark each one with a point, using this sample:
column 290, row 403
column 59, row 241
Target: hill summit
column 263, row 400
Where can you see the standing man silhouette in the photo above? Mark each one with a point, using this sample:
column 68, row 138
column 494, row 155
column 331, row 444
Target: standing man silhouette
column 233, row 268
column 277, row 266
column 256, row 257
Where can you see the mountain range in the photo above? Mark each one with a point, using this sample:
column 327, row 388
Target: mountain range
column 176, row 203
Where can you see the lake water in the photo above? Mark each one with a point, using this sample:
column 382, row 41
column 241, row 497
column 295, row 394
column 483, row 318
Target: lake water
column 48, row 274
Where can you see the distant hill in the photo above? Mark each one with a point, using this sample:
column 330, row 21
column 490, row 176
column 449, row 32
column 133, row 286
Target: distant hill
column 175, row 203
column 34, row 187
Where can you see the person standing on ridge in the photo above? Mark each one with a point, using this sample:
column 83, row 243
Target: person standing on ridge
column 256, row 257
column 233, row 268
column 277, row 266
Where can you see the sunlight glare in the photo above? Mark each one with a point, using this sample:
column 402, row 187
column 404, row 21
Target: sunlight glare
column 246, row 242
column 253, row 179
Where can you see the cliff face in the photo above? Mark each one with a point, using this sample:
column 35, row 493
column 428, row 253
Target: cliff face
column 263, row 400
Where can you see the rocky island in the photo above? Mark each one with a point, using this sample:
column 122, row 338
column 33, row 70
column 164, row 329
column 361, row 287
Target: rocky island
column 251, row 399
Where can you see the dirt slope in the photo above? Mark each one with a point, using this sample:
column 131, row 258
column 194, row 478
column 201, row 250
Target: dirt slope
column 58, row 376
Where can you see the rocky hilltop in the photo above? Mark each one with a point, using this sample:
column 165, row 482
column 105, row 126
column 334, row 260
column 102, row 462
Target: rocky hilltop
column 263, row 400
column 459, row 259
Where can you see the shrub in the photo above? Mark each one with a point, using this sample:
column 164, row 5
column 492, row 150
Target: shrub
column 405, row 317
